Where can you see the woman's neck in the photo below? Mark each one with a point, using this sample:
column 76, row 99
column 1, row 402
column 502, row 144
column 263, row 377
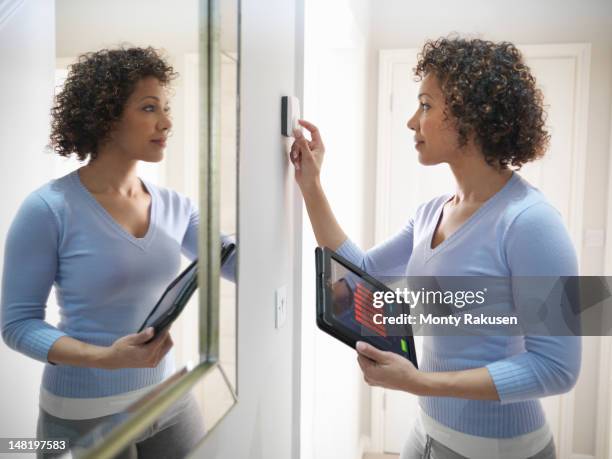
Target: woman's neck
column 476, row 180
column 107, row 174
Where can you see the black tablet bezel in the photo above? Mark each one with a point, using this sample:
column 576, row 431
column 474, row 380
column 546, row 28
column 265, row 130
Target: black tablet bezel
column 179, row 302
column 183, row 295
column 325, row 319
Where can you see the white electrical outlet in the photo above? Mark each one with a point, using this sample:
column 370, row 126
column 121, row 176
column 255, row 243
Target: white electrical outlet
column 281, row 306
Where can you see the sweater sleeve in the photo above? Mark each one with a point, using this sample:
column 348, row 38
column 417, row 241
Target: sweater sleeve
column 388, row 258
column 190, row 244
column 30, row 264
column 537, row 244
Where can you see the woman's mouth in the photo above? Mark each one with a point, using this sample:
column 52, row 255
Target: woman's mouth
column 160, row 142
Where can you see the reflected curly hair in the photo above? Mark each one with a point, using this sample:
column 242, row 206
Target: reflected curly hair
column 94, row 95
column 491, row 95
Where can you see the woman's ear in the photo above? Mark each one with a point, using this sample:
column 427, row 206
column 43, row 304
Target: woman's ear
column 110, row 137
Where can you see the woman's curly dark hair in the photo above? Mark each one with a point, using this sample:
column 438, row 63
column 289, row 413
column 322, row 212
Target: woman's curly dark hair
column 491, row 94
column 94, row 95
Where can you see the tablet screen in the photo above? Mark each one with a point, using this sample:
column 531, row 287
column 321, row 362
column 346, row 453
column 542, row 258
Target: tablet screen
column 350, row 302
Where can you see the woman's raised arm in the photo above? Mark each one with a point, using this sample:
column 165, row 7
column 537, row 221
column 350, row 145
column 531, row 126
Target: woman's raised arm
column 307, row 157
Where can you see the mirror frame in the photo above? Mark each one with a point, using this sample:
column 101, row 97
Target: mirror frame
column 210, row 198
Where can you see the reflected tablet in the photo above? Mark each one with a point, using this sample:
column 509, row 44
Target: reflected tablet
column 345, row 310
column 178, row 293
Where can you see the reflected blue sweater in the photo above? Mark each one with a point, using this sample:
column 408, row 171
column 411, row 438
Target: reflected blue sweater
column 106, row 280
column 515, row 233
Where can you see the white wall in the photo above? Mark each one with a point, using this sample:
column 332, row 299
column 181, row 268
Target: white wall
column 159, row 23
column 335, row 401
column 263, row 425
column 27, row 51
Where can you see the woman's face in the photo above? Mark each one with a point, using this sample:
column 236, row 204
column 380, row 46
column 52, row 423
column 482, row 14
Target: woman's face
column 435, row 136
column 142, row 131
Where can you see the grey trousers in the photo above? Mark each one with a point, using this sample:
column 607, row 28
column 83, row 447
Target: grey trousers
column 174, row 435
column 421, row 446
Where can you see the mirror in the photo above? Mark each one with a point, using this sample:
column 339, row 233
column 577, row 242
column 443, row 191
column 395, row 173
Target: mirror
column 199, row 39
column 219, row 169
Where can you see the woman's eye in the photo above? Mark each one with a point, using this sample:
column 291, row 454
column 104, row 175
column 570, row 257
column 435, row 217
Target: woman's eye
column 425, row 107
column 153, row 108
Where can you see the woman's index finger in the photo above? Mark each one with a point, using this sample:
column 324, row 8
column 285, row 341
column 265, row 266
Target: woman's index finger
column 314, row 131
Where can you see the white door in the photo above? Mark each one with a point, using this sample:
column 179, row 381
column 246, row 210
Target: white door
column 562, row 73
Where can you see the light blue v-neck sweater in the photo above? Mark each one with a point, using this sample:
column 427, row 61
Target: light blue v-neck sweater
column 515, row 233
column 106, row 280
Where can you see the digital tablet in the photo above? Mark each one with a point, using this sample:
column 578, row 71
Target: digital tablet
column 345, row 307
column 177, row 294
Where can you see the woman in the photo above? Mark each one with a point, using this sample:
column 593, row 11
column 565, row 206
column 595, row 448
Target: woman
column 480, row 112
column 111, row 243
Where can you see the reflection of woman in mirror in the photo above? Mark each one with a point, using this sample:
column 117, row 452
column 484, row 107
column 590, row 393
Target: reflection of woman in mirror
column 111, row 243
column 480, row 112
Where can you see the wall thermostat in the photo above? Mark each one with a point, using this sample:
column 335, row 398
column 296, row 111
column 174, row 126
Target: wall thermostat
column 290, row 114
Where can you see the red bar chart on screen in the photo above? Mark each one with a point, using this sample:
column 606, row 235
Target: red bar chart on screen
column 365, row 311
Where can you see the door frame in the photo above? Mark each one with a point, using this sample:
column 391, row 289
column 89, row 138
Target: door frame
column 604, row 424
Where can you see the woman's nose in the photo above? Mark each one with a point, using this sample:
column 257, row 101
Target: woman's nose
column 165, row 124
column 412, row 122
